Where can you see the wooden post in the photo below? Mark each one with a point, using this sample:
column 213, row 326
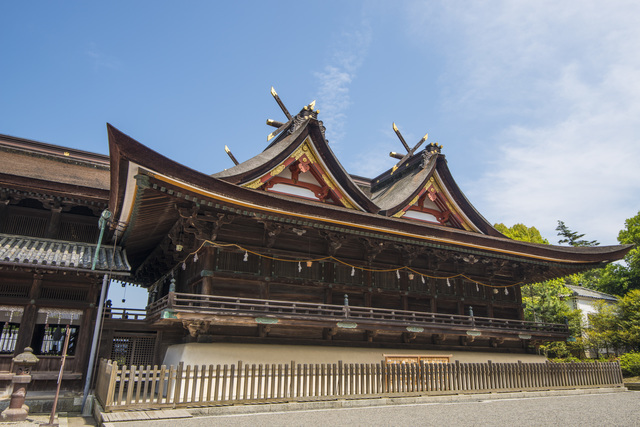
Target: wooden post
column 239, row 380
column 261, row 381
column 29, row 316
column 113, row 375
column 223, row 395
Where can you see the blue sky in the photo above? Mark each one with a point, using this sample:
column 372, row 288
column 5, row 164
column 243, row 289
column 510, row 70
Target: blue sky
column 535, row 103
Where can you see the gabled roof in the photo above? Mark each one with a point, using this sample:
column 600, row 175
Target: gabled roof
column 425, row 185
column 422, row 186
column 586, row 293
column 301, row 142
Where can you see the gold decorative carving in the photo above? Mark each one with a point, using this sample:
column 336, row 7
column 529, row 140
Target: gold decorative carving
column 277, row 170
column 254, row 184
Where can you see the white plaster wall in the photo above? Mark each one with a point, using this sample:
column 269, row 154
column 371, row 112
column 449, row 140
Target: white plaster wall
column 294, row 191
column 420, row 215
column 225, row 353
column 586, row 306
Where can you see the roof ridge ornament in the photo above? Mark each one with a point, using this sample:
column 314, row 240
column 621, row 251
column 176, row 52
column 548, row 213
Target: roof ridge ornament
column 304, row 114
column 410, row 151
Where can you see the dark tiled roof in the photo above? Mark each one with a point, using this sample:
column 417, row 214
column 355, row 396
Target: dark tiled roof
column 37, row 160
column 395, row 192
column 59, row 254
column 579, row 291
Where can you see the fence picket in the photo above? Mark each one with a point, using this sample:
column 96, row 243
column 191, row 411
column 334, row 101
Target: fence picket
column 145, row 386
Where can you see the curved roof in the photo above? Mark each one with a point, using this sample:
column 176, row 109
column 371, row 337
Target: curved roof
column 137, row 170
column 302, row 129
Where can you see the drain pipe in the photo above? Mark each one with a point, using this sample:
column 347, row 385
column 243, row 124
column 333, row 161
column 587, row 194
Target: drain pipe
column 102, row 223
column 94, row 342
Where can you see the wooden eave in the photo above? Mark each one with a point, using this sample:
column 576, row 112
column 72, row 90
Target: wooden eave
column 39, row 186
column 209, row 191
column 51, row 150
column 282, row 149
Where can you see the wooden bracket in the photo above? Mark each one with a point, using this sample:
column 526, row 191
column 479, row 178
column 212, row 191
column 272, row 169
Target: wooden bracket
column 263, row 330
column 438, row 338
column 328, row 333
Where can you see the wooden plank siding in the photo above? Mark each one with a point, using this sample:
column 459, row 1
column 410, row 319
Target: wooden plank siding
column 146, row 387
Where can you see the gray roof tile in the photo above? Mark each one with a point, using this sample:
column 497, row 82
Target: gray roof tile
column 37, row 252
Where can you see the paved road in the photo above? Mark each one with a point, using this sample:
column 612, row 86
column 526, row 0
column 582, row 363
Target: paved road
column 613, row 409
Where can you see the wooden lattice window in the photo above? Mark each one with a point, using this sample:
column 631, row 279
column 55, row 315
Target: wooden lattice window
column 77, row 232
column 473, row 290
column 347, row 275
column 419, row 284
column 23, row 225
column 66, row 294
column 504, row 294
column 14, row 290
column 297, row 270
column 386, row 280
column 446, row 286
column 235, row 262
column 133, row 349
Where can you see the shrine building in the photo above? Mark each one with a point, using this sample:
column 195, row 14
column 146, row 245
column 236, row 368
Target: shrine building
column 288, row 253
column 285, row 255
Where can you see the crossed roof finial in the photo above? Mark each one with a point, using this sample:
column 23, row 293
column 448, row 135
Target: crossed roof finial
column 410, row 151
column 281, row 126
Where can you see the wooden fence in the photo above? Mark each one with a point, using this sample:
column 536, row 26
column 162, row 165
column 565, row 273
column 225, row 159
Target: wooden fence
column 138, row 387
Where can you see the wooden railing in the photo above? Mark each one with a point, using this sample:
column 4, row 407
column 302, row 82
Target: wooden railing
column 124, row 313
column 212, row 304
column 130, row 387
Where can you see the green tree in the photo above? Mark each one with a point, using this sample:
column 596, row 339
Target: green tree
column 618, row 279
column 521, row 232
column 630, row 320
column 572, row 237
column 543, row 301
column 602, row 333
column 588, row 279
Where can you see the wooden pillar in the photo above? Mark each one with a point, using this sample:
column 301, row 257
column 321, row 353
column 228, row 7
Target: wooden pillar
column 87, row 322
column 54, row 222
column 29, row 317
column 434, row 294
column 461, row 308
column 459, row 287
column 368, row 277
column 85, row 331
column 518, row 291
column 4, row 202
column 328, row 295
column 27, row 325
column 405, row 302
column 106, row 343
column 489, row 309
column 367, row 298
column 208, row 264
column 264, row 290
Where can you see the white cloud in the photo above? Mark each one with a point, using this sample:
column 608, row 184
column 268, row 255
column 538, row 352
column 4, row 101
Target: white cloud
column 560, row 79
column 335, row 78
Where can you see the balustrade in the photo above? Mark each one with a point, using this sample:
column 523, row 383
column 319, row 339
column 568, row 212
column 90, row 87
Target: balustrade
column 211, row 304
